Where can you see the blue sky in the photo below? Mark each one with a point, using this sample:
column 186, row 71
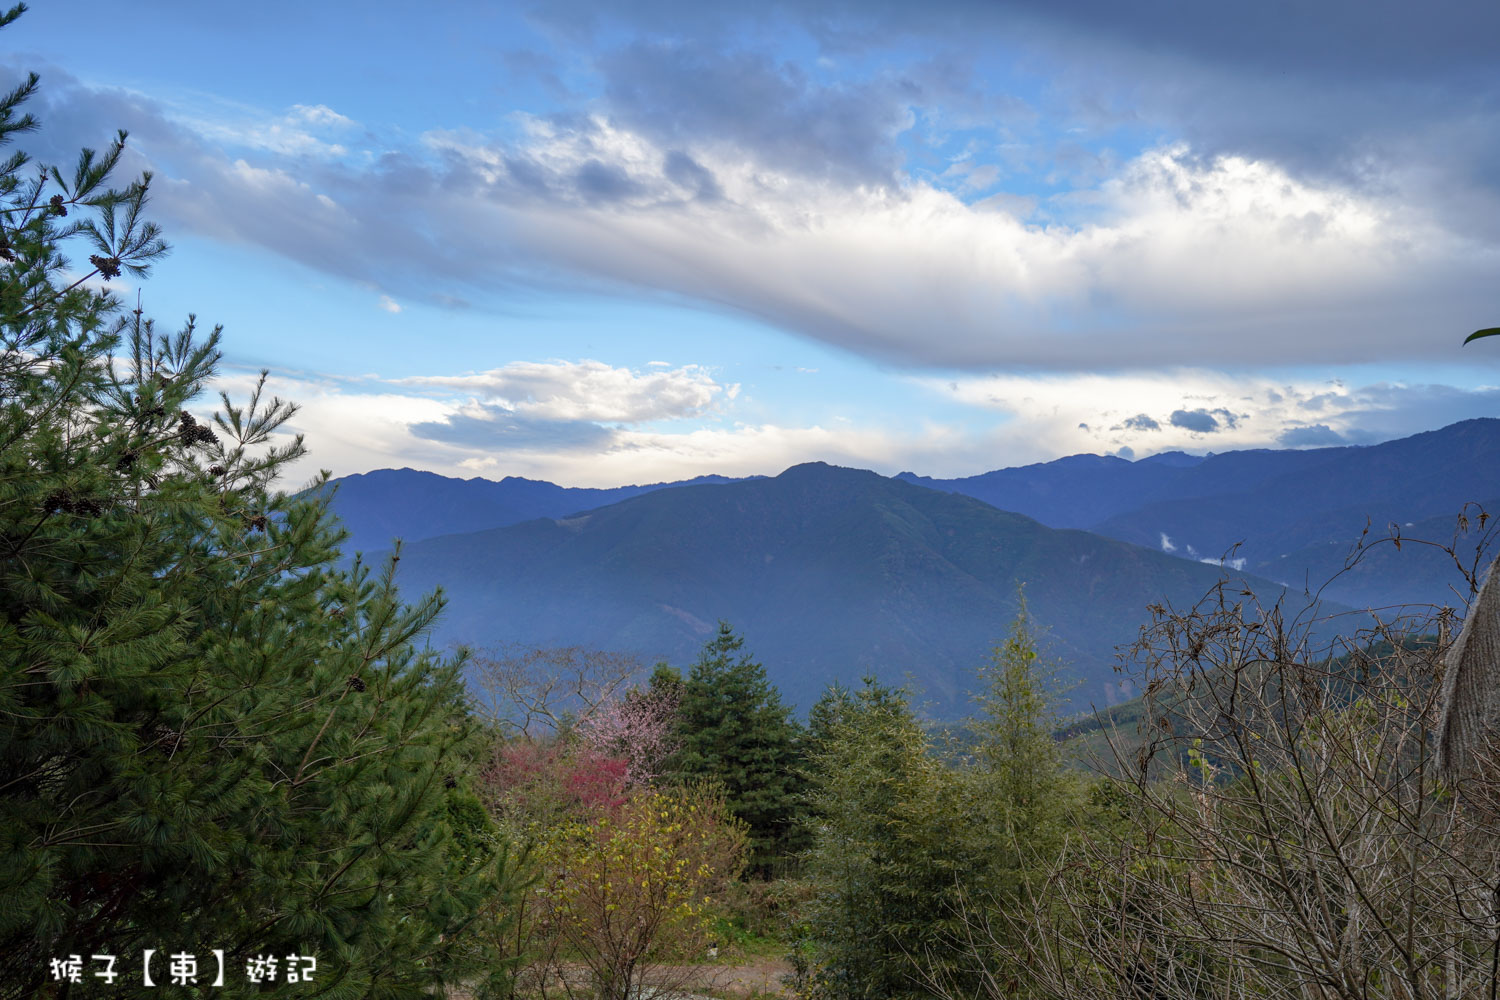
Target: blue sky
column 608, row 243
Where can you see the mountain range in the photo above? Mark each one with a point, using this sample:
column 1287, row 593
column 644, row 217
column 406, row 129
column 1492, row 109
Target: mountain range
column 833, row 573
column 829, row 573
column 1292, row 516
column 379, row 506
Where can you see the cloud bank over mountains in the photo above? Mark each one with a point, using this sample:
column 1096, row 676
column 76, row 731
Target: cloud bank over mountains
column 589, row 424
column 1098, row 228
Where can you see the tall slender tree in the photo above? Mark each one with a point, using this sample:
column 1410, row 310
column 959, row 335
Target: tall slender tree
column 922, row 860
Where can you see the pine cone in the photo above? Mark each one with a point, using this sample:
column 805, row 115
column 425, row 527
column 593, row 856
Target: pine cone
column 108, row 267
column 63, row 502
column 189, row 431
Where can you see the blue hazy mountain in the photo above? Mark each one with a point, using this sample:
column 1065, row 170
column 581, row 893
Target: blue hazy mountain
column 1293, row 515
column 828, row 572
column 386, row 504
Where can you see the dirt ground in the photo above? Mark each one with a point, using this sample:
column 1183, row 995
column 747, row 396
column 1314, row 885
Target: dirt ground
column 757, row 977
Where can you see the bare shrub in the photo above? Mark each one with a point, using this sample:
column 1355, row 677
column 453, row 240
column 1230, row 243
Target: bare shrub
column 538, row 692
column 1280, row 827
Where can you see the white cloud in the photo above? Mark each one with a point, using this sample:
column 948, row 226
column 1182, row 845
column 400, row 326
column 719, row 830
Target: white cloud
column 542, row 421
column 320, row 115
column 1226, row 260
column 1063, row 414
column 302, row 130
column 1172, row 259
column 350, row 426
column 389, row 304
column 590, row 390
column 1175, row 256
column 355, row 425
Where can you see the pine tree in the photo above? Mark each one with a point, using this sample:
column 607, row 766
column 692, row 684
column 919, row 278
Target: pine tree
column 825, row 715
column 1027, row 799
column 210, row 737
column 734, row 731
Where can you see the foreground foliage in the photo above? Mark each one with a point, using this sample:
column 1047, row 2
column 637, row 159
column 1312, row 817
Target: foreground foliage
column 630, row 876
column 628, row 892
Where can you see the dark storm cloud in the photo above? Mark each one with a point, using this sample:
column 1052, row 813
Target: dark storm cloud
column 1195, row 420
column 462, row 217
column 1139, row 422
column 1336, row 39
column 1204, row 421
column 501, row 428
column 691, row 92
column 1383, row 94
column 597, row 181
column 684, row 171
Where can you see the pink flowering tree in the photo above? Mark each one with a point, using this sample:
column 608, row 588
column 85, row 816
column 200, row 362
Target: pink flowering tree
column 637, row 729
column 537, row 785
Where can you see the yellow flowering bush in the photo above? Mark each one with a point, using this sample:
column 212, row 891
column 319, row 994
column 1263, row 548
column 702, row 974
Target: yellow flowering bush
column 628, row 890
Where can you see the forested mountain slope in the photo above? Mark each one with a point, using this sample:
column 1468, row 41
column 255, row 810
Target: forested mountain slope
column 828, row 572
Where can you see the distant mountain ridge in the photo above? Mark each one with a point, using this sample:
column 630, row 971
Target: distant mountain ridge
column 829, row 572
column 842, row 574
column 377, row 507
column 1292, row 514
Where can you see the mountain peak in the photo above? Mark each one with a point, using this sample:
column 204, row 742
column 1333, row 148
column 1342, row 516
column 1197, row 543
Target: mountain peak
column 821, row 469
column 1172, row 459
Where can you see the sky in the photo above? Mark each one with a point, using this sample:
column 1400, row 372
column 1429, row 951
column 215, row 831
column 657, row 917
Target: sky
column 608, row 243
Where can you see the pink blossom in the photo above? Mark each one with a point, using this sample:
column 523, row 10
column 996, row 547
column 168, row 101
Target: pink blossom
column 638, row 729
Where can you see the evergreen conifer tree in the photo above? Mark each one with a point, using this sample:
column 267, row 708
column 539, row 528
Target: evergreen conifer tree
column 210, row 737
column 899, row 847
column 1020, row 765
column 733, row 730
column 824, row 717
